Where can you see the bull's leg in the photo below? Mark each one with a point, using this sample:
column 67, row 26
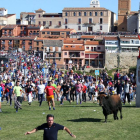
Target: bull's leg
column 105, row 118
column 121, row 113
column 115, row 115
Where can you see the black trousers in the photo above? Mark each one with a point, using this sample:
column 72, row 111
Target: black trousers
column 128, row 97
column 72, row 96
column 40, row 98
column 84, row 97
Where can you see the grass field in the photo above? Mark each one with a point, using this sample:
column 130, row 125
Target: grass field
column 85, row 121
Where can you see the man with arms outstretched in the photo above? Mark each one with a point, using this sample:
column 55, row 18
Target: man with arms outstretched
column 50, row 129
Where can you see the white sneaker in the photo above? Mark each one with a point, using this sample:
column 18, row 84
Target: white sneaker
column 130, row 103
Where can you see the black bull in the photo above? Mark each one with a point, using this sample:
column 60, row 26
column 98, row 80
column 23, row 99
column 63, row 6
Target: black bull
column 110, row 105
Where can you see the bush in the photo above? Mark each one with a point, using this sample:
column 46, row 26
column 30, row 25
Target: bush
column 133, row 69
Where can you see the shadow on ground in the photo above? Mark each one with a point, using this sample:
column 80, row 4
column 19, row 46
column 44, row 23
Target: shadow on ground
column 86, row 120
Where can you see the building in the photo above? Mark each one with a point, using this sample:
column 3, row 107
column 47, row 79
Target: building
column 27, row 18
column 17, row 43
column 3, row 12
column 111, row 44
column 124, row 8
column 129, row 43
column 90, row 19
column 73, row 50
column 94, row 3
column 56, row 33
column 94, row 54
column 21, row 30
column 6, row 18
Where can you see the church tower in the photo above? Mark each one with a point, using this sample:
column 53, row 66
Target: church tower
column 124, row 8
column 94, row 3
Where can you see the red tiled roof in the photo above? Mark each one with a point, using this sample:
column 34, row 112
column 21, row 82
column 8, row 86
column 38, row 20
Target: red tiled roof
column 73, row 41
column 92, row 43
column 17, row 38
column 9, row 27
column 89, row 52
column 49, row 38
column 73, row 48
column 88, row 36
column 110, row 38
column 55, row 30
column 129, row 37
column 40, row 10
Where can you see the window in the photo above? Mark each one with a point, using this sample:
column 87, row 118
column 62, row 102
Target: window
column 21, row 32
column 39, row 23
column 37, row 43
column 55, row 33
column 96, row 14
column 50, row 23
column 59, row 23
column 79, row 27
column 59, row 54
column 65, row 53
column 66, row 21
column 101, row 21
column 79, row 21
column 39, row 15
column 74, row 14
column 94, row 48
column 101, row 14
column 44, row 23
column 43, row 32
column 91, row 48
column 99, row 48
column 66, row 27
column 100, row 27
column 48, row 33
column 21, row 27
column 85, row 14
column 66, row 14
column 30, row 47
column 79, row 13
column 24, row 32
column 37, row 48
column 90, row 20
column 24, row 27
column 66, row 46
column 90, row 14
column 59, row 49
column 87, row 48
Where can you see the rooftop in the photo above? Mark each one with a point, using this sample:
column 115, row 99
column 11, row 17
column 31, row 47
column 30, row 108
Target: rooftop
column 40, row 10
column 93, row 52
column 52, row 14
column 110, row 38
column 8, row 15
column 84, row 8
column 73, row 48
column 67, row 41
column 129, row 37
column 1, row 9
column 17, row 38
column 88, row 36
column 9, row 27
column 92, row 43
column 57, row 30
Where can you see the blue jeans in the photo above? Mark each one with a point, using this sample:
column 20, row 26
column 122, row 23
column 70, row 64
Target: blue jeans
column 40, row 98
column 9, row 94
column 131, row 96
column 67, row 98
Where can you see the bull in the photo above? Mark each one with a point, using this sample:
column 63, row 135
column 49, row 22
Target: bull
column 110, row 105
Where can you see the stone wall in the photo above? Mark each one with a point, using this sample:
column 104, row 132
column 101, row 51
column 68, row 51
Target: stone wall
column 127, row 60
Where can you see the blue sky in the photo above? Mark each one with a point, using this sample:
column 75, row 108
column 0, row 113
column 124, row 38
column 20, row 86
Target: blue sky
column 56, row 6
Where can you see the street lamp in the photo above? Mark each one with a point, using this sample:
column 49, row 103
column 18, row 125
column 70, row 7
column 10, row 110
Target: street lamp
column 54, row 59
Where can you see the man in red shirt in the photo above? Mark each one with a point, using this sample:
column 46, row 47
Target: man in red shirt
column 84, row 92
column 49, row 95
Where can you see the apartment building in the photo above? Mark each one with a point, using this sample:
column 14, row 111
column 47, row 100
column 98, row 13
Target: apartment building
column 94, row 54
column 111, row 44
column 56, row 33
column 73, row 50
column 17, row 43
column 6, row 18
column 129, row 43
column 27, row 18
column 90, row 19
column 21, row 30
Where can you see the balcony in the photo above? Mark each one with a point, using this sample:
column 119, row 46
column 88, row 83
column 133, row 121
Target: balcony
column 30, row 43
column 3, row 43
column 90, row 23
column 10, row 43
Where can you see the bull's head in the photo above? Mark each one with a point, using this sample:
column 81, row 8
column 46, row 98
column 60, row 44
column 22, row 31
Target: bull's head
column 100, row 98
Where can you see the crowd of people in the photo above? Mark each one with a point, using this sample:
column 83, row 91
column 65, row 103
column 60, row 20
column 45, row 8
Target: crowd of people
column 27, row 77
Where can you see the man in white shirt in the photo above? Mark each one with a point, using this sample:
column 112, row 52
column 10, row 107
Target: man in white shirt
column 40, row 89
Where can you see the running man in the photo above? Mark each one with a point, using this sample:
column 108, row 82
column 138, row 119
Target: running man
column 18, row 91
column 50, row 96
column 50, row 129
